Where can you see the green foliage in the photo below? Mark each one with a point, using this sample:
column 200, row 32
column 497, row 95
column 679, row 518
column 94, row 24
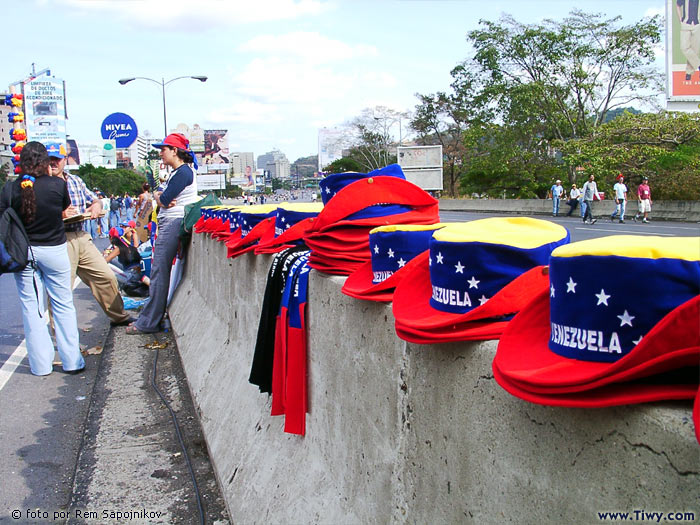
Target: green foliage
column 662, row 146
column 305, row 166
column 112, row 181
column 343, row 165
column 281, row 184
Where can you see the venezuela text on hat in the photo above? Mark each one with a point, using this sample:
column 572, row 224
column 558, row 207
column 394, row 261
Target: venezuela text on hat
column 470, row 262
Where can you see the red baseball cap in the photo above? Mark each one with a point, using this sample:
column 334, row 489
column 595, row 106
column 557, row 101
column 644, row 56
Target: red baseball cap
column 174, row 140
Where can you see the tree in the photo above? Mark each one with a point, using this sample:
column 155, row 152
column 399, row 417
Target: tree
column 443, row 118
column 111, row 181
column 343, row 165
column 567, row 75
column 662, row 146
column 369, row 138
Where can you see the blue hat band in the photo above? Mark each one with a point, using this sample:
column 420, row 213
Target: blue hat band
column 332, row 184
column 466, row 275
column 391, row 250
column 602, row 306
column 287, row 218
column 248, row 221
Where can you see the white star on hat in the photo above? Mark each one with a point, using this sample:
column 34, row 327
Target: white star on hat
column 482, row 300
column 551, row 291
column 328, row 190
column 401, row 262
column 638, row 340
column 473, row 283
column 459, row 267
column 602, row 297
column 625, row 318
column 438, row 258
column 571, row 286
column 390, row 253
column 376, row 248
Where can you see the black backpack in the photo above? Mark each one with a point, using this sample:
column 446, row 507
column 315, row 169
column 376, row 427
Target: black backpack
column 113, row 205
column 14, row 242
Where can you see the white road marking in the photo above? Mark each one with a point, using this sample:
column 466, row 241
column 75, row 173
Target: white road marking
column 9, row 367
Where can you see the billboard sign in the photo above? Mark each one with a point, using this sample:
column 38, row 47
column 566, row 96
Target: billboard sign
column 682, row 48
column 211, row 182
column 121, row 128
column 422, row 165
column 45, row 109
column 215, row 149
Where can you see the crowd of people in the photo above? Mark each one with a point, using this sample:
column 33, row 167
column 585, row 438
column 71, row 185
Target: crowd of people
column 584, row 197
column 48, row 200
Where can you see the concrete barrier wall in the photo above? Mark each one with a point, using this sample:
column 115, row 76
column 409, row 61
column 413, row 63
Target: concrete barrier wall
column 661, row 210
column 403, row 433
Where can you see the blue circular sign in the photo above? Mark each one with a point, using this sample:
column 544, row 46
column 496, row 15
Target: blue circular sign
column 121, row 128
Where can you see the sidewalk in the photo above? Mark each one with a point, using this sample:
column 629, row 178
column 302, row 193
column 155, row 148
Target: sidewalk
column 131, row 468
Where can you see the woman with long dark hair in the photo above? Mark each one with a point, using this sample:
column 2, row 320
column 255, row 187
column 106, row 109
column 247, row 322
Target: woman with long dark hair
column 39, row 200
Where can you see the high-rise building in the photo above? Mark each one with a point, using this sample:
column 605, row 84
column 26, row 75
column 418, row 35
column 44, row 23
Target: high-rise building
column 276, row 163
column 5, row 140
column 239, row 161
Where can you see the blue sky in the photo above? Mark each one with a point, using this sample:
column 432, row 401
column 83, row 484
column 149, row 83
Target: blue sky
column 278, row 69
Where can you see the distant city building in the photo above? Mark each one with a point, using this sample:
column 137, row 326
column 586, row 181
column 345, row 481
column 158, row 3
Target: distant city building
column 331, row 142
column 241, row 159
column 276, row 163
column 5, row 140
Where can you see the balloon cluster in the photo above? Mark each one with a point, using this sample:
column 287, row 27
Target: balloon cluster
column 17, row 134
column 15, row 117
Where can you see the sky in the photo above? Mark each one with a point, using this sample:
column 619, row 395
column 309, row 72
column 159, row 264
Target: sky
column 278, row 70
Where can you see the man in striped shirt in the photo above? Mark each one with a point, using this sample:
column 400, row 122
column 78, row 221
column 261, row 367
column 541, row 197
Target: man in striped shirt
column 85, row 260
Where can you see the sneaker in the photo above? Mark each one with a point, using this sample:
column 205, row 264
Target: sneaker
column 644, row 220
column 634, row 218
column 621, row 221
column 593, row 221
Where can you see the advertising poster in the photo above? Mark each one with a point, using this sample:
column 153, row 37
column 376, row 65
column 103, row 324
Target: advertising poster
column 683, row 49
column 215, row 149
column 197, row 139
column 45, row 109
column 73, row 153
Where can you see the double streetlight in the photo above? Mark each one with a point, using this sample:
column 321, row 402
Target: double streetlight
column 162, row 83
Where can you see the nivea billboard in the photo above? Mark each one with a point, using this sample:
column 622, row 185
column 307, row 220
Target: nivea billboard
column 121, row 128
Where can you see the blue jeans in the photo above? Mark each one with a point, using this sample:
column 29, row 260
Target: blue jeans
column 164, row 252
column 90, row 226
column 53, row 277
column 620, row 209
column 555, row 205
column 104, row 225
column 130, row 213
column 113, row 219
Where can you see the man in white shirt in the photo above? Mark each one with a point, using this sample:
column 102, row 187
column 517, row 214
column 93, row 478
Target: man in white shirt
column 557, row 190
column 574, row 197
column 620, row 198
column 590, row 191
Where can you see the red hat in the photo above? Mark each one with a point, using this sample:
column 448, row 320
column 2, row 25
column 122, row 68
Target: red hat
column 339, row 238
column 392, row 251
column 475, row 275
column 619, row 176
column 618, row 309
column 292, row 221
column 175, row 140
column 256, row 223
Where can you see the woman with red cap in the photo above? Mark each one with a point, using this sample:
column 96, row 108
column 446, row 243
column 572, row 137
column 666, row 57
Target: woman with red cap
column 180, row 190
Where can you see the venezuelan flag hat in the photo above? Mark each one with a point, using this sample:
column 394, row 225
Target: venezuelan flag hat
column 392, row 248
column 483, row 270
column 255, row 222
column 339, row 237
column 292, row 221
column 617, row 310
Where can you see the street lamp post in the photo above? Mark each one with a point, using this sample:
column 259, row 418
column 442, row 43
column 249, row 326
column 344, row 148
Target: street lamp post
column 162, row 83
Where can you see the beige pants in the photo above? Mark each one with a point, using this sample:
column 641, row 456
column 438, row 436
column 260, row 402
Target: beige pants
column 690, row 46
column 87, row 263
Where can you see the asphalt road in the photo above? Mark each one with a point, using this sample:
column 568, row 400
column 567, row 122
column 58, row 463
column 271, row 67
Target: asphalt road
column 42, row 419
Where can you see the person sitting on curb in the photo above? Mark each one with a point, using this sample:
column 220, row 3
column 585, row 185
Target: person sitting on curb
column 574, row 197
column 129, row 259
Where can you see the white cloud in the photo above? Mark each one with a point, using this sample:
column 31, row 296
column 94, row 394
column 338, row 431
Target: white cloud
column 310, row 47
column 653, row 11
column 197, row 16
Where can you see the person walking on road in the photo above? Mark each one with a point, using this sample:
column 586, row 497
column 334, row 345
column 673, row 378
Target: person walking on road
column 590, row 191
column 620, row 190
column 644, row 196
column 557, row 192
column 40, row 200
column 180, row 190
column 85, row 259
column 574, row 197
